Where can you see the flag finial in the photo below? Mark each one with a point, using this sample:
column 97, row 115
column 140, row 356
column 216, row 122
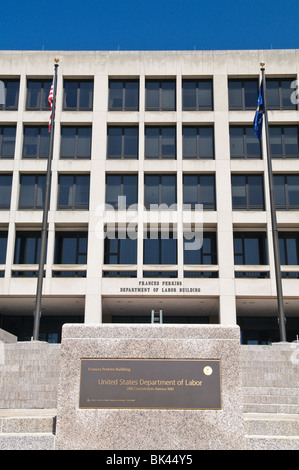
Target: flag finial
column 56, row 60
column 262, row 64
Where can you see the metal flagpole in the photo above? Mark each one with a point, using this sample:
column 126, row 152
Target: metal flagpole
column 281, row 314
column 37, row 311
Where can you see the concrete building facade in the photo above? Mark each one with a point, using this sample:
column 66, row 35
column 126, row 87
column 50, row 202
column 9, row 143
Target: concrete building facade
column 162, row 128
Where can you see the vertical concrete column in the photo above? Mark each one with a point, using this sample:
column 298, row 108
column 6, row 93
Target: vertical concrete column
column 227, row 303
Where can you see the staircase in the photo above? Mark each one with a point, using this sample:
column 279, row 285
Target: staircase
column 271, row 396
column 270, row 402
column 27, row 429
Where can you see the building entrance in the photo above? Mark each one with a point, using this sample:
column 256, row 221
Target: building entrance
column 175, row 309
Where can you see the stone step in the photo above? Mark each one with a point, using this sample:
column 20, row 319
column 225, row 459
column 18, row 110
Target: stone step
column 27, row 441
column 270, row 408
column 271, row 424
column 271, row 443
column 27, row 421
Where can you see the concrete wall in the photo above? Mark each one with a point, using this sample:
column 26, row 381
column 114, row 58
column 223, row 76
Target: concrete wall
column 29, row 376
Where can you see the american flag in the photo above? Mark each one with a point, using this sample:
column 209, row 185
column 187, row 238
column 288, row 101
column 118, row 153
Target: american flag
column 50, row 103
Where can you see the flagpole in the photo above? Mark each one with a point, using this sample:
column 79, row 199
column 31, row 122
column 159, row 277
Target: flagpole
column 280, row 304
column 37, row 311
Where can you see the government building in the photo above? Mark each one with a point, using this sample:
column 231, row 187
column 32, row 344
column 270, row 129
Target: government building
column 160, row 195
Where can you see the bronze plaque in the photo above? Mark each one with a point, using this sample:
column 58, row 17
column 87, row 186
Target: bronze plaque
column 150, row 383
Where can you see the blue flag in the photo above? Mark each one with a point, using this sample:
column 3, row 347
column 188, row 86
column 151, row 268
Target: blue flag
column 258, row 118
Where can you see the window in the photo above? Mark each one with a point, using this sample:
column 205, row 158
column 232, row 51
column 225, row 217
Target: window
column 197, row 95
column 160, row 142
column 37, row 94
column 207, row 254
column 284, row 141
column 199, row 189
column 11, row 94
column 248, row 192
column 160, row 250
column 3, row 246
column 286, row 191
column 122, row 142
column 289, row 248
column 250, row 248
column 70, row 248
column 243, row 143
column 73, row 192
column 122, row 250
column 125, row 186
column 5, row 190
column 78, row 95
column 198, row 142
column 160, row 95
column 123, row 95
column 279, row 93
column 32, row 191
column 36, row 142
column 242, row 94
column 159, row 189
column 7, row 141
column 75, row 142
column 27, row 247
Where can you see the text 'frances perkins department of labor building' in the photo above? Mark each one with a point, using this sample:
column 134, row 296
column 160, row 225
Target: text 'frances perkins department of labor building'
column 159, row 193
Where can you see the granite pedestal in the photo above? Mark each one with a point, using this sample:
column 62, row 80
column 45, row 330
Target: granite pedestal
column 160, row 403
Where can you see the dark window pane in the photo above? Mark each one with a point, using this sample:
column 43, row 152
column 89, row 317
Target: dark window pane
column 73, row 192
column 11, row 94
column 151, row 190
column 189, row 94
column 78, row 95
column 242, row 94
column 114, row 142
column 207, row 254
column 3, row 246
column 130, row 142
column 293, row 190
column 27, row 247
column 122, row 142
column 236, row 142
column 152, row 142
column 250, row 248
column 160, row 250
column 198, row 142
column 120, row 250
column 250, row 94
column 235, row 94
column 190, row 142
column 239, row 191
column 279, row 190
column 115, row 94
column 132, row 95
column 68, row 141
column 113, row 189
column 32, row 191
column 7, row 141
column 160, row 95
column 86, row 95
column 76, row 142
column 38, row 93
column 291, row 141
column 5, row 191
column 70, row 94
column 36, row 142
column 70, row 248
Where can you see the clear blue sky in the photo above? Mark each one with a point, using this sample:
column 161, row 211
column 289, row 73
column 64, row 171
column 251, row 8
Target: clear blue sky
column 149, row 24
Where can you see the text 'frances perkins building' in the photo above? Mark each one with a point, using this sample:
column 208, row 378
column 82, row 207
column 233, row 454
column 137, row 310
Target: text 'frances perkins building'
column 159, row 193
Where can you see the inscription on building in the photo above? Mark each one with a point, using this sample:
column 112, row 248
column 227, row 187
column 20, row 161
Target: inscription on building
column 154, row 287
column 150, row 383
